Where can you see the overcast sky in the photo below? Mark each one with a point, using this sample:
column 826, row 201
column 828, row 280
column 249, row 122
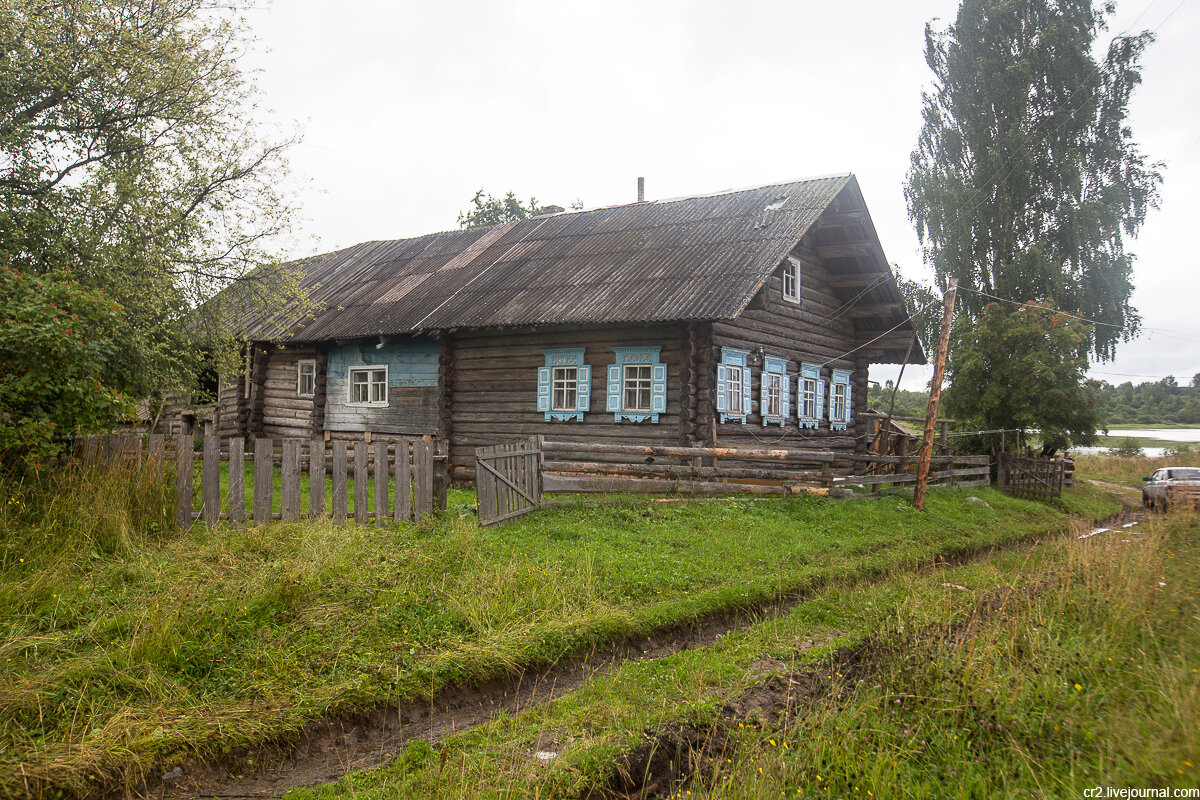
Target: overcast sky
column 406, row 108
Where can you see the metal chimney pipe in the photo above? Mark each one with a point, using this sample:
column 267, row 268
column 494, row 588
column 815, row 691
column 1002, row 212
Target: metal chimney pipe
column 641, row 190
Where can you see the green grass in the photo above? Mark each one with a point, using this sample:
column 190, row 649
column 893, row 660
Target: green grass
column 1033, row 673
column 127, row 644
column 1126, row 471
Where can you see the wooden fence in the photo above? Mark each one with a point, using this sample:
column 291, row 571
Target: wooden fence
column 945, row 470
column 508, row 479
column 1033, row 478
column 413, row 468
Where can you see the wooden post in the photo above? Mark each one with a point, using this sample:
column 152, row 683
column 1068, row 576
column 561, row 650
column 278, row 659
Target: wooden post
column 441, row 478
column 210, row 481
column 339, row 482
column 316, row 477
column 403, row 511
column 360, row 482
column 183, row 479
column 381, row 480
column 264, row 478
column 157, row 448
column 290, row 481
column 237, row 479
column 935, row 395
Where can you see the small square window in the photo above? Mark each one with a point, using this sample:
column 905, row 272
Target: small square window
column 306, row 380
column 636, row 388
column 368, row 386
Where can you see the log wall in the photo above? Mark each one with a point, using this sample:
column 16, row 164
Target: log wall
column 284, row 413
column 493, row 383
column 800, row 332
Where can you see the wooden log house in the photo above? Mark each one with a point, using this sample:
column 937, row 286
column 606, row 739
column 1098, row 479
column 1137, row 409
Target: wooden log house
column 739, row 318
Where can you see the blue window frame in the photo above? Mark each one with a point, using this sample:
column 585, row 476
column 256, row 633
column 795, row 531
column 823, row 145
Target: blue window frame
column 733, row 385
column 564, row 385
column 637, row 384
column 775, row 392
column 841, row 405
column 810, row 396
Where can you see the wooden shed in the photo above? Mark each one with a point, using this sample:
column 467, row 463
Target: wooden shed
column 735, row 318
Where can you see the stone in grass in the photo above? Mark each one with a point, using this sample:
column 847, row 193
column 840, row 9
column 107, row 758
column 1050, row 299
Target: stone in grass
column 980, row 500
column 173, row 775
column 545, row 756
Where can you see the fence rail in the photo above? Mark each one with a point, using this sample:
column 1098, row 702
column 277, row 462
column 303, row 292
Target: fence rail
column 508, row 479
column 1033, row 478
column 409, row 476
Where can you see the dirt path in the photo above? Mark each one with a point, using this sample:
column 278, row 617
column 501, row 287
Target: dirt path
column 325, row 750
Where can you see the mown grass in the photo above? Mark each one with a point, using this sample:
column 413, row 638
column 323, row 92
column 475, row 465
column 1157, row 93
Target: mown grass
column 1034, row 673
column 126, row 644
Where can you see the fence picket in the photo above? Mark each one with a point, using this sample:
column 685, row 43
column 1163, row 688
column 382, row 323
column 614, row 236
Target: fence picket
column 157, row 447
column 183, row 479
column 381, row 480
column 339, row 481
column 403, row 511
column 237, row 480
column 423, row 473
column 210, row 482
column 89, row 450
column 316, row 477
column 360, row 482
column 290, row 481
column 264, row 479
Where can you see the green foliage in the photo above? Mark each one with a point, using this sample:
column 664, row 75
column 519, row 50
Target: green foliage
column 1023, row 369
column 489, row 210
column 923, row 302
column 1025, row 179
column 908, row 404
column 1150, row 403
column 56, row 346
column 128, row 154
column 1127, row 448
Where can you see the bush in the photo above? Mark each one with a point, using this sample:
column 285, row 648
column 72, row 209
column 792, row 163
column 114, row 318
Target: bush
column 1127, row 447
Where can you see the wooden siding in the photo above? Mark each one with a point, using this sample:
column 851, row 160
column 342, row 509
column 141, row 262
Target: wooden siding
column 412, row 407
column 802, row 332
column 494, row 377
column 284, row 413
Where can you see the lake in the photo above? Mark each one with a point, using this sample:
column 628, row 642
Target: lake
column 1189, row 435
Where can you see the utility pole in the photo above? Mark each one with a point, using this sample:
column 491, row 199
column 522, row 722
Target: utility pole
column 935, row 395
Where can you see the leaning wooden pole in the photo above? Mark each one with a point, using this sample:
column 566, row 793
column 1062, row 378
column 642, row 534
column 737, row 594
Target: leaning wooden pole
column 935, row 395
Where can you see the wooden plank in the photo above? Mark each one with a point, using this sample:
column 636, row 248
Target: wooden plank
column 441, row 474
column 210, row 481
column 264, row 477
column 360, row 482
column 183, row 479
column 738, row 453
column 381, row 481
column 237, row 479
column 157, row 448
column 338, row 502
column 403, row 507
column 423, row 477
column 90, row 449
column 316, row 477
column 673, row 470
column 557, row 483
column 290, row 480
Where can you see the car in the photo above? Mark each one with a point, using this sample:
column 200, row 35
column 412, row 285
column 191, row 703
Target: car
column 1171, row 486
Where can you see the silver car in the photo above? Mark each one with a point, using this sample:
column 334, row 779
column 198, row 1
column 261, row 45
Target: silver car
column 1170, row 486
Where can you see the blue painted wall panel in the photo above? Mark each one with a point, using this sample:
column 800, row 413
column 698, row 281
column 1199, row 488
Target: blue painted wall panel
column 412, row 386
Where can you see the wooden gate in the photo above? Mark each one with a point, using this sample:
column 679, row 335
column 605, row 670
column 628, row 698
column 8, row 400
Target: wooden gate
column 1034, row 478
column 508, row 479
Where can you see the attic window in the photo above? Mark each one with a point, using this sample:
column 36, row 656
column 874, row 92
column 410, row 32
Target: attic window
column 791, row 280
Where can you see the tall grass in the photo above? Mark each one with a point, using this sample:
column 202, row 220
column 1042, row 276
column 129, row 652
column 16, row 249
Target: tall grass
column 1128, row 471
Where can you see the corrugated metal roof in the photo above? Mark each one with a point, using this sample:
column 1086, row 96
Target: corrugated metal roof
column 688, row 258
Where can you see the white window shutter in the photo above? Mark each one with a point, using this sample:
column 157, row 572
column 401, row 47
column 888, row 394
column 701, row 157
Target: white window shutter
column 820, row 400
column 614, row 387
column 745, row 392
column 583, row 399
column 785, row 390
column 721, row 389
column 543, row 393
column 849, row 404
column 764, row 392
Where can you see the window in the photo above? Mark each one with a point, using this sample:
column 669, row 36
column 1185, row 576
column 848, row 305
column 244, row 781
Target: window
column 564, row 385
column 368, row 386
column 776, row 391
column 791, row 280
column 733, row 385
column 306, row 379
column 637, row 384
column 840, row 405
column 811, row 396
